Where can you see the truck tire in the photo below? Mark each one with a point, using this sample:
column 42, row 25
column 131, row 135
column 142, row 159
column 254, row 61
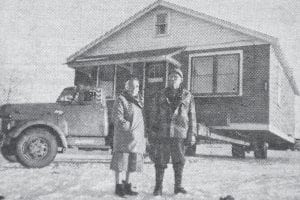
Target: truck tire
column 36, row 148
column 260, row 150
column 8, row 153
column 238, row 151
column 191, row 150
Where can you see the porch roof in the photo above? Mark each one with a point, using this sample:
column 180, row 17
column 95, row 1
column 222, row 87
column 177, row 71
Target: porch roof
column 129, row 57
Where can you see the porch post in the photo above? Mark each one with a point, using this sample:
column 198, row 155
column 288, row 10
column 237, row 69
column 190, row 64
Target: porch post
column 97, row 78
column 115, row 80
column 144, row 78
column 167, row 73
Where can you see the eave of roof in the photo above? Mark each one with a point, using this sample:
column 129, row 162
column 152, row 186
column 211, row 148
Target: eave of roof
column 285, row 66
column 112, row 31
column 130, row 57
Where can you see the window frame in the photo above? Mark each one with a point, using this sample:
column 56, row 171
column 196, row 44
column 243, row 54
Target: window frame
column 167, row 23
column 114, row 80
column 217, row 53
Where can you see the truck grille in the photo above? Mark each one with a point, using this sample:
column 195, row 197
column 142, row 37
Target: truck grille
column 4, row 124
column 4, row 129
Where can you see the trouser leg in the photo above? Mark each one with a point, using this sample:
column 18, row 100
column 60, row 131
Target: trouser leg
column 177, row 149
column 162, row 158
column 178, row 169
column 159, row 176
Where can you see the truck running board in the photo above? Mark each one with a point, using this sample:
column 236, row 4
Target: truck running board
column 87, row 142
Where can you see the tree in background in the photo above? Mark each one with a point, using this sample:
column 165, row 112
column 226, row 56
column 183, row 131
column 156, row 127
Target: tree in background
column 10, row 90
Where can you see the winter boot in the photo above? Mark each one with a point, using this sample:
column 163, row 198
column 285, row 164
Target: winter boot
column 120, row 190
column 178, row 168
column 127, row 189
column 159, row 176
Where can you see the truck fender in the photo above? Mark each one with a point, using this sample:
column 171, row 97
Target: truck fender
column 15, row 132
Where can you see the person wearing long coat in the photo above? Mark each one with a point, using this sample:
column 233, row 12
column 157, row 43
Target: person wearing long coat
column 129, row 142
column 173, row 126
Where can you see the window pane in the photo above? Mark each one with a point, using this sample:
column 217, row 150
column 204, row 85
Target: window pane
column 228, row 64
column 227, row 73
column 161, row 18
column 203, row 66
column 156, row 70
column 202, row 84
column 202, row 75
column 106, row 80
column 161, row 29
column 227, row 83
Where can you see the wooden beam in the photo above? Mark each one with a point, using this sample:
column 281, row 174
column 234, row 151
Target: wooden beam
column 205, row 132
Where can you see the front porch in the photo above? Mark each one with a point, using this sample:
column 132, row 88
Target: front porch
column 109, row 72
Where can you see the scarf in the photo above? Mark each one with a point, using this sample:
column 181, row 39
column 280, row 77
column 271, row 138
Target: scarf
column 174, row 98
column 136, row 100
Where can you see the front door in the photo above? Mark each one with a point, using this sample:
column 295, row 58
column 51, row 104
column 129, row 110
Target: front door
column 155, row 80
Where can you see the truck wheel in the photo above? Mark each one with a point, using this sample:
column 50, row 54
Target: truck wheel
column 36, row 148
column 260, row 150
column 191, row 150
column 8, row 153
column 238, row 151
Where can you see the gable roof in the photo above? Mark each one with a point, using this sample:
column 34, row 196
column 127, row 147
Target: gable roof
column 261, row 36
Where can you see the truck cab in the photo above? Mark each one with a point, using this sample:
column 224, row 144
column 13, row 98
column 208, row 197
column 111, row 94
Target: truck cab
column 34, row 133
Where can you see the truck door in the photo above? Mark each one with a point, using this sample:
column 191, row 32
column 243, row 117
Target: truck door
column 85, row 117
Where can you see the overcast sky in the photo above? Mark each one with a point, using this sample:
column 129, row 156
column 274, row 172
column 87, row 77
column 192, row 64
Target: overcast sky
column 36, row 36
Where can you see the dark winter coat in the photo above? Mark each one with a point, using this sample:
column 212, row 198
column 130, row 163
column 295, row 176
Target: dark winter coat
column 174, row 118
column 129, row 131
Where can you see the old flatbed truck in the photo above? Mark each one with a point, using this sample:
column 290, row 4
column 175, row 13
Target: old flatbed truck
column 33, row 133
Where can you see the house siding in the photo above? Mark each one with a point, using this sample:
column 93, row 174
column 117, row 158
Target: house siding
column 282, row 114
column 184, row 31
column 252, row 106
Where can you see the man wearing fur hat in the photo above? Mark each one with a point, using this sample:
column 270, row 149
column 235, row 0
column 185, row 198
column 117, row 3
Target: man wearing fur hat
column 173, row 126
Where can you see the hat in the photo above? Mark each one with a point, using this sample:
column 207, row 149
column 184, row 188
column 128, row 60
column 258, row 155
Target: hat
column 177, row 71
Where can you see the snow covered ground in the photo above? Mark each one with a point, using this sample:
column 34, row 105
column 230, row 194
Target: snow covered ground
column 209, row 175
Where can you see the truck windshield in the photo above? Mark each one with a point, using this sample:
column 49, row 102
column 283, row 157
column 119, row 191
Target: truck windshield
column 67, row 95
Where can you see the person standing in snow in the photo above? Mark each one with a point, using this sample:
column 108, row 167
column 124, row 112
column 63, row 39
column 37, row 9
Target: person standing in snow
column 173, row 126
column 129, row 142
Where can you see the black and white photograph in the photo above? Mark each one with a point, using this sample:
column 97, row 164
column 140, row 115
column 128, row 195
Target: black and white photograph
column 150, row 99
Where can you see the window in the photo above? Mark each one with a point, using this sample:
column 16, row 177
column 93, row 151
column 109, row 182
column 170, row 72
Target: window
column 161, row 24
column 215, row 74
column 155, row 71
column 106, row 76
column 67, row 95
